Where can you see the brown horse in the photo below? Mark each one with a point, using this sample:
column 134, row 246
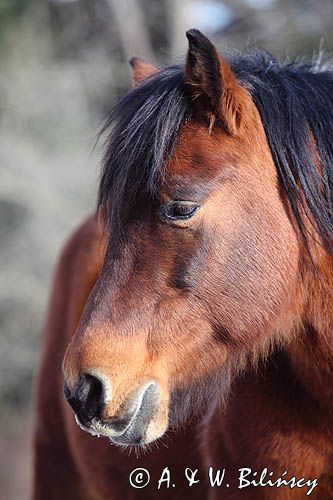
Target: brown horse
column 208, row 280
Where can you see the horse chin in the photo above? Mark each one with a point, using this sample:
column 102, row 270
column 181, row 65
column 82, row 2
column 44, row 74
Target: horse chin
column 145, row 420
column 133, row 436
column 153, row 415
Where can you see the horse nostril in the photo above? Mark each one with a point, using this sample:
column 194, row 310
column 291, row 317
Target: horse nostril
column 87, row 398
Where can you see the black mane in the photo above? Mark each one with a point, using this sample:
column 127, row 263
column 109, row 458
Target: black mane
column 294, row 100
column 144, row 127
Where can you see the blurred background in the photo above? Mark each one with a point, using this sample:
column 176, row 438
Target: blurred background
column 63, row 65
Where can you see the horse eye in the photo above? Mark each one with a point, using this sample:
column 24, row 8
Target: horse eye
column 178, row 210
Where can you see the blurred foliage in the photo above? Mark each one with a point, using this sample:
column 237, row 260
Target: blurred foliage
column 11, row 10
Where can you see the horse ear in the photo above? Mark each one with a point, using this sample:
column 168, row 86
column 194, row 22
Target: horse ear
column 212, row 84
column 141, row 70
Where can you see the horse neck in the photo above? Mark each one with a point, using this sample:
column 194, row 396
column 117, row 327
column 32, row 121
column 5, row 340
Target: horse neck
column 311, row 353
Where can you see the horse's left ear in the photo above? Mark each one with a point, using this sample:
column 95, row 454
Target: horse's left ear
column 141, row 70
column 212, row 84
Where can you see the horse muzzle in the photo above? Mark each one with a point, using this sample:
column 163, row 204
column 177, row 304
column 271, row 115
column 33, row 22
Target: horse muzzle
column 133, row 423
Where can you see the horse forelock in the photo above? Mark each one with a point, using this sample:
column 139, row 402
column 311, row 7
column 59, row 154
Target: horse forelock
column 142, row 131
